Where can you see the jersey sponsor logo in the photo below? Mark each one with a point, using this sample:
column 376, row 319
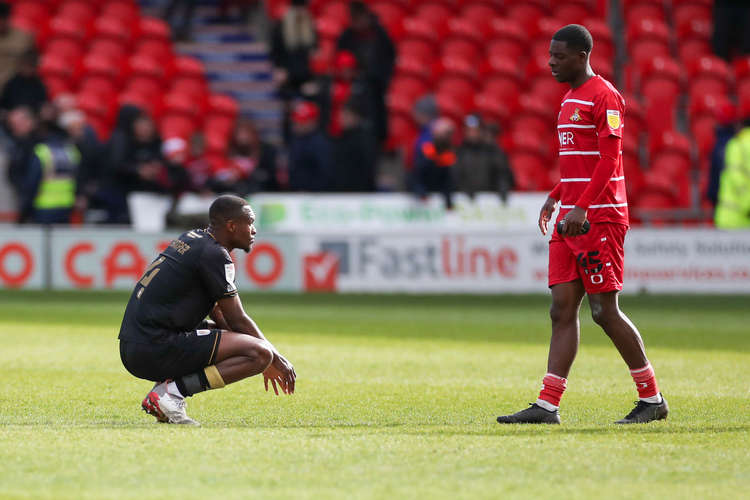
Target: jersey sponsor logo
column 202, row 333
column 566, row 138
column 613, row 118
column 576, row 117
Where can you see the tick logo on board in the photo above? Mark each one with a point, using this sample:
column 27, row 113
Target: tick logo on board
column 321, row 271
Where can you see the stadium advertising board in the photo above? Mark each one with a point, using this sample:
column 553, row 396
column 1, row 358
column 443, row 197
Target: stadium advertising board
column 447, row 262
column 679, row 260
column 393, row 211
column 115, row 259
column 22, row 262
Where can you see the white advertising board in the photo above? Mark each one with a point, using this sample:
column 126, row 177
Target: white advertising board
column 22, row 263
column 347, row 213
column 116, row 259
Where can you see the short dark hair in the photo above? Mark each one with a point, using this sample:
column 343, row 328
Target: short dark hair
column 358, row 8
column 226, row 207
column 576, row 36
column 4, row 10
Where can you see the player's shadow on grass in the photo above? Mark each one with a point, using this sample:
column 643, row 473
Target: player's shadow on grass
column 613, row 429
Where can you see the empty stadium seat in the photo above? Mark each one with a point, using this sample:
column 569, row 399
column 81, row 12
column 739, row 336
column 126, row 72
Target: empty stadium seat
column 709, row 74
column 153, row 28
column 114, row 28
column 391, row 16
column 125, row 10
column 177, row 125
column 79, row 9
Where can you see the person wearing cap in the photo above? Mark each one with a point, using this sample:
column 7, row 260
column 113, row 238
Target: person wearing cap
column 309, row 151
column 733, row 204
column 481, row 165
column 726, row 127
column 14, row 43
column 345, row 85
column 434, row 162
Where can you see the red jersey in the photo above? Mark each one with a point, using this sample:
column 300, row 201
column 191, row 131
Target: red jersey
column 593, row 110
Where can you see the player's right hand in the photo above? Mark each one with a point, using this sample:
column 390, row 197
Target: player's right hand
column 545, row 214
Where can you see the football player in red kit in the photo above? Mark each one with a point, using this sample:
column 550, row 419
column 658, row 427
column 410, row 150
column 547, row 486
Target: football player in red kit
column 587, row 259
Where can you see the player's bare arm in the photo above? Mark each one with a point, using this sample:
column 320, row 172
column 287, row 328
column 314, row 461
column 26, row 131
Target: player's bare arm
column 545, row 214
column 217, row 318
column 280, row 370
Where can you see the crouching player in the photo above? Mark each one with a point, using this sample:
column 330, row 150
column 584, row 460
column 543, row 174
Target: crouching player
column 164, row 335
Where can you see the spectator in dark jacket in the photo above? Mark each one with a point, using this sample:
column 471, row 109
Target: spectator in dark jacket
column 309, row 152
column 292, row 41
column 345, row 86
column 369, row 42
column 21, row 123
column 355, row 153
column 26, row 87
column 481, row 165
column 434, row 162
column 251, row 165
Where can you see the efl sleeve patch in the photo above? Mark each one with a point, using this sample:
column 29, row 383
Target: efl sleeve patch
column 613, row 119
column 229, row 273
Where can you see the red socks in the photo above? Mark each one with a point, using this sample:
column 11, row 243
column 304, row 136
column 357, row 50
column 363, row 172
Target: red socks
column 553, row 387
column 645, row 382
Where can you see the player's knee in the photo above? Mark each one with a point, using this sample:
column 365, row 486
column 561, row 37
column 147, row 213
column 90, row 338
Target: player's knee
column 263, row 353
column 600, row 315
column 559, row 313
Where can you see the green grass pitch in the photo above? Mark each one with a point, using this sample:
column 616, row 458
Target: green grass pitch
column 396, row 398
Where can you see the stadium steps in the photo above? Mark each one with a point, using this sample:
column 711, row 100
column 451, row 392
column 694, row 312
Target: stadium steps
column 236, row 64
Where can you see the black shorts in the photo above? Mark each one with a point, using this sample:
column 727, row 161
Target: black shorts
column 174, row 356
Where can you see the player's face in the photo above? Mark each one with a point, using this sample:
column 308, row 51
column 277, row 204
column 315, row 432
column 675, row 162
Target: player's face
column 244, row 234
column 566, row 64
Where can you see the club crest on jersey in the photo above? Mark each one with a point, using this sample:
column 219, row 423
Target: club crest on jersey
column 613, row 118
column 575, row 117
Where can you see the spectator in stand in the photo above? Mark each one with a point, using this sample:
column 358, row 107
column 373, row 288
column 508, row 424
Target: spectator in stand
column 26, row 87
column 22, row 130
column 183, row 27
column 343, row 87
column 369, row 42
column 293, row 39
column 176, row 154
column 251, row 165
column 731, row 28
column 50, row 184
column 435, row 161
column 726, row 127
column 481, row 165
column 425, row 113
column 733, row 207
column 14, row 44
column 354, row 153
column 140, row 166
column 90, row 173
column 309, row 152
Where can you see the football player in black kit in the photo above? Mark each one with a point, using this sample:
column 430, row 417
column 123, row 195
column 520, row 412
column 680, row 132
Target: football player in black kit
column 165, row 336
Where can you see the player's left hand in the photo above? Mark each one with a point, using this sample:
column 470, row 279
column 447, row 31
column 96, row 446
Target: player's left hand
column 282, row 372
column 574, row 222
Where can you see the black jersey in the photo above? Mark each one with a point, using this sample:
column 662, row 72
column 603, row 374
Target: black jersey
column 179, row 288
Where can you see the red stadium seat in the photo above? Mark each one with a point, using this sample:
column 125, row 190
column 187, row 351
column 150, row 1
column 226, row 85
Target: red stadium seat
column 391, row 15
column 461, row 49
column 335, row 9
column 460, row 89
column 78, row 9
column 399, row 104
column 401, row 134
column 742, row 68
column 195, row 89
column 436, row 13
column 223, row 105
column 543, row 28
column 59, row 66
column 407, row 65
column 176, row 125
column 418, row 49
column 328, row 28
column 98, row 65
column 137, row 99
column 188, row 67
column 692, row 48
column 125, row 10
column 158, row 49
column 526, row 13
column 153, row 28
column 574, row 12
column 481, row 14
column 65, row 48
column 703, row 131
column 530, row 171
column 148, row 87
column 114, row 28
column 604, row 45
column 69, row 28
column 712, row 74
column 493, row 108
column 416, row 28
column 548, row 90
column 467, row 30
column 508, row 38
column 648, row 38
column 644, row 10
column 690, row 12
column 409, row 86
column 674, row 145
column 109, row 48
column 145, row 66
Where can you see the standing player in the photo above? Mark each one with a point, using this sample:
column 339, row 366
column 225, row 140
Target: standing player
column 164, row 336
column 592, row 187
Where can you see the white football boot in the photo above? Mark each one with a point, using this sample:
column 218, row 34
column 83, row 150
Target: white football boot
column 166, row 407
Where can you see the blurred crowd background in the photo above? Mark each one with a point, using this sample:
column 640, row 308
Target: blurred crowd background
column 103, row 98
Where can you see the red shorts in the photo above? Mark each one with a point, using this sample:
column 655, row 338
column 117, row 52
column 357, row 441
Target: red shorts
column 596, row 258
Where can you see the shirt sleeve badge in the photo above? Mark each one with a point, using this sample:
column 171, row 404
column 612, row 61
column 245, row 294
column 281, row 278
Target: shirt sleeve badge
column 613, row 119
